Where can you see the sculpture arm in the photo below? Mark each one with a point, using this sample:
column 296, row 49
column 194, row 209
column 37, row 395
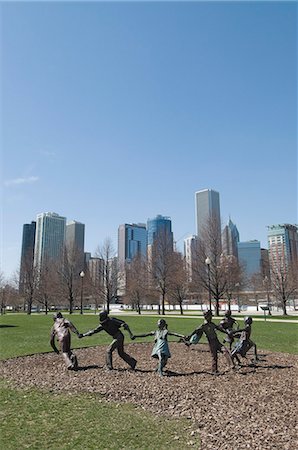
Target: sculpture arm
column 175, row 334
column 96, row 330
column 52, row 341
column 152, row 333
column 74, row 329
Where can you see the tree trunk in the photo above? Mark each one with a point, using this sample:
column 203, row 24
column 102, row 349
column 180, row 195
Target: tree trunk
column 181, row 309
column 163, row 304
column 216, row 307
column 284, row 307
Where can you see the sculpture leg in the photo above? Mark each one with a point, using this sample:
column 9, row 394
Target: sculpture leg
column 66, row 351
column 109, row 357
column 213, row 351
column 228, row 356
column 127, row 358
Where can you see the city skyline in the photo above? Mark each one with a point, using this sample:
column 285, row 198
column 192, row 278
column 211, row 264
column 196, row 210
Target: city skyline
column 113, row 113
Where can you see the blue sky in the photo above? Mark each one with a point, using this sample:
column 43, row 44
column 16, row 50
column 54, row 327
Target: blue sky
column 116, row 112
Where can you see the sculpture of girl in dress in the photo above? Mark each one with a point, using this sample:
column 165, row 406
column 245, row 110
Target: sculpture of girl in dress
column 161, row 347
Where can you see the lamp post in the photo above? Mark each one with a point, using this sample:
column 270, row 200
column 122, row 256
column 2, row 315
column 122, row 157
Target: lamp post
column 82, row 274
column 208, row 262
column 237, row 285
column 266, row 284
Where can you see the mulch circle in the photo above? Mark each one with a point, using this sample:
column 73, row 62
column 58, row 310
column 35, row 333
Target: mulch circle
column 253, row 407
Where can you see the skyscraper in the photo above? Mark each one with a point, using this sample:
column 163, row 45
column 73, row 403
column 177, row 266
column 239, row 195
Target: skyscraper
column 49, row 239
column 283, row 243
column 230, row 239
column 27, row 255
column 190, row 253
column 75, row 238
column 132, row 240
column 207, row 208
column 159, row 230
column 249, row 255
column 158, row 226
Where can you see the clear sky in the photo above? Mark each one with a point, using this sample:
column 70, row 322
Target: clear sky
column 117, row 112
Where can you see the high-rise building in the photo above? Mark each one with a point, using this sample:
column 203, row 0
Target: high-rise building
column 49, row 239
column 75, row 239
column 96, row 272
column 159, row 226
column 207, row 208
column 27, row 255
column 249, row 255
column 283, row 243
column 132, row 241
column 230, row 239
column 190, row 254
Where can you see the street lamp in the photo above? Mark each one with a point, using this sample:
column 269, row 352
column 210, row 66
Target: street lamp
column 266, row 283
column 208, row 262
column 237, row 285
column 82, row 274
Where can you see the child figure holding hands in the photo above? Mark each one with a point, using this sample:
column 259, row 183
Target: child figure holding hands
column 161, row 347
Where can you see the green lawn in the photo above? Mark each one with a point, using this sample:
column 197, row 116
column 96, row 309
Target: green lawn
column 39, row 420
column 22, row 335
column 44, row 420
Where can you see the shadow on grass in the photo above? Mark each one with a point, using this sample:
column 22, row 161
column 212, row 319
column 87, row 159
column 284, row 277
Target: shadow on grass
column 8, row 326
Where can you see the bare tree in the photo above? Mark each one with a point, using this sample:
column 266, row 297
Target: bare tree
column 137, row 282
column 161, row 265
column 2, row 293
column 283, row 280
column 256, row 283
column 109, row 272
column 69, row 278
column 28, row 284
column 232, row 274
column 179, row 281
column 47, row 286
column 208, row 271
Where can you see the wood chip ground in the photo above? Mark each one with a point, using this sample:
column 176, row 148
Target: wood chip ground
column 253, row 407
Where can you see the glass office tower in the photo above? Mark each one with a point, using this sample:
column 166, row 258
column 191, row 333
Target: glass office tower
column 283, row 243
column 27, row 255
column 132, row 240
column 249, row 254
column 158, row 226
column 75, row 239
column 49, row 238
column 207, row 208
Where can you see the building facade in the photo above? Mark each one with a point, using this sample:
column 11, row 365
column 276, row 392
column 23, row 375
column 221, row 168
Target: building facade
column 283, row 244
column 230, row 239
column 159, row 226
column 132, row 241
column 207, row 206
column 75, row 241
column 249, row 255
column 49, row 239
column 27, row 254
column 190, row 254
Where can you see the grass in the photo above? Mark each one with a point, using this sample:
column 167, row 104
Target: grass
column 40, row 420
column 22, row 335
column 44, row 420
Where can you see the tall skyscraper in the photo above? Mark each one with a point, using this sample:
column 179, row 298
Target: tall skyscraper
column 158, row 226
column 207, row 208
column 190, row 254
column 49, row 239
column 27, row 255
column 249, row 254
column 75, row 239
column 230, row 239
column 132, row 240
column 283, row 243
